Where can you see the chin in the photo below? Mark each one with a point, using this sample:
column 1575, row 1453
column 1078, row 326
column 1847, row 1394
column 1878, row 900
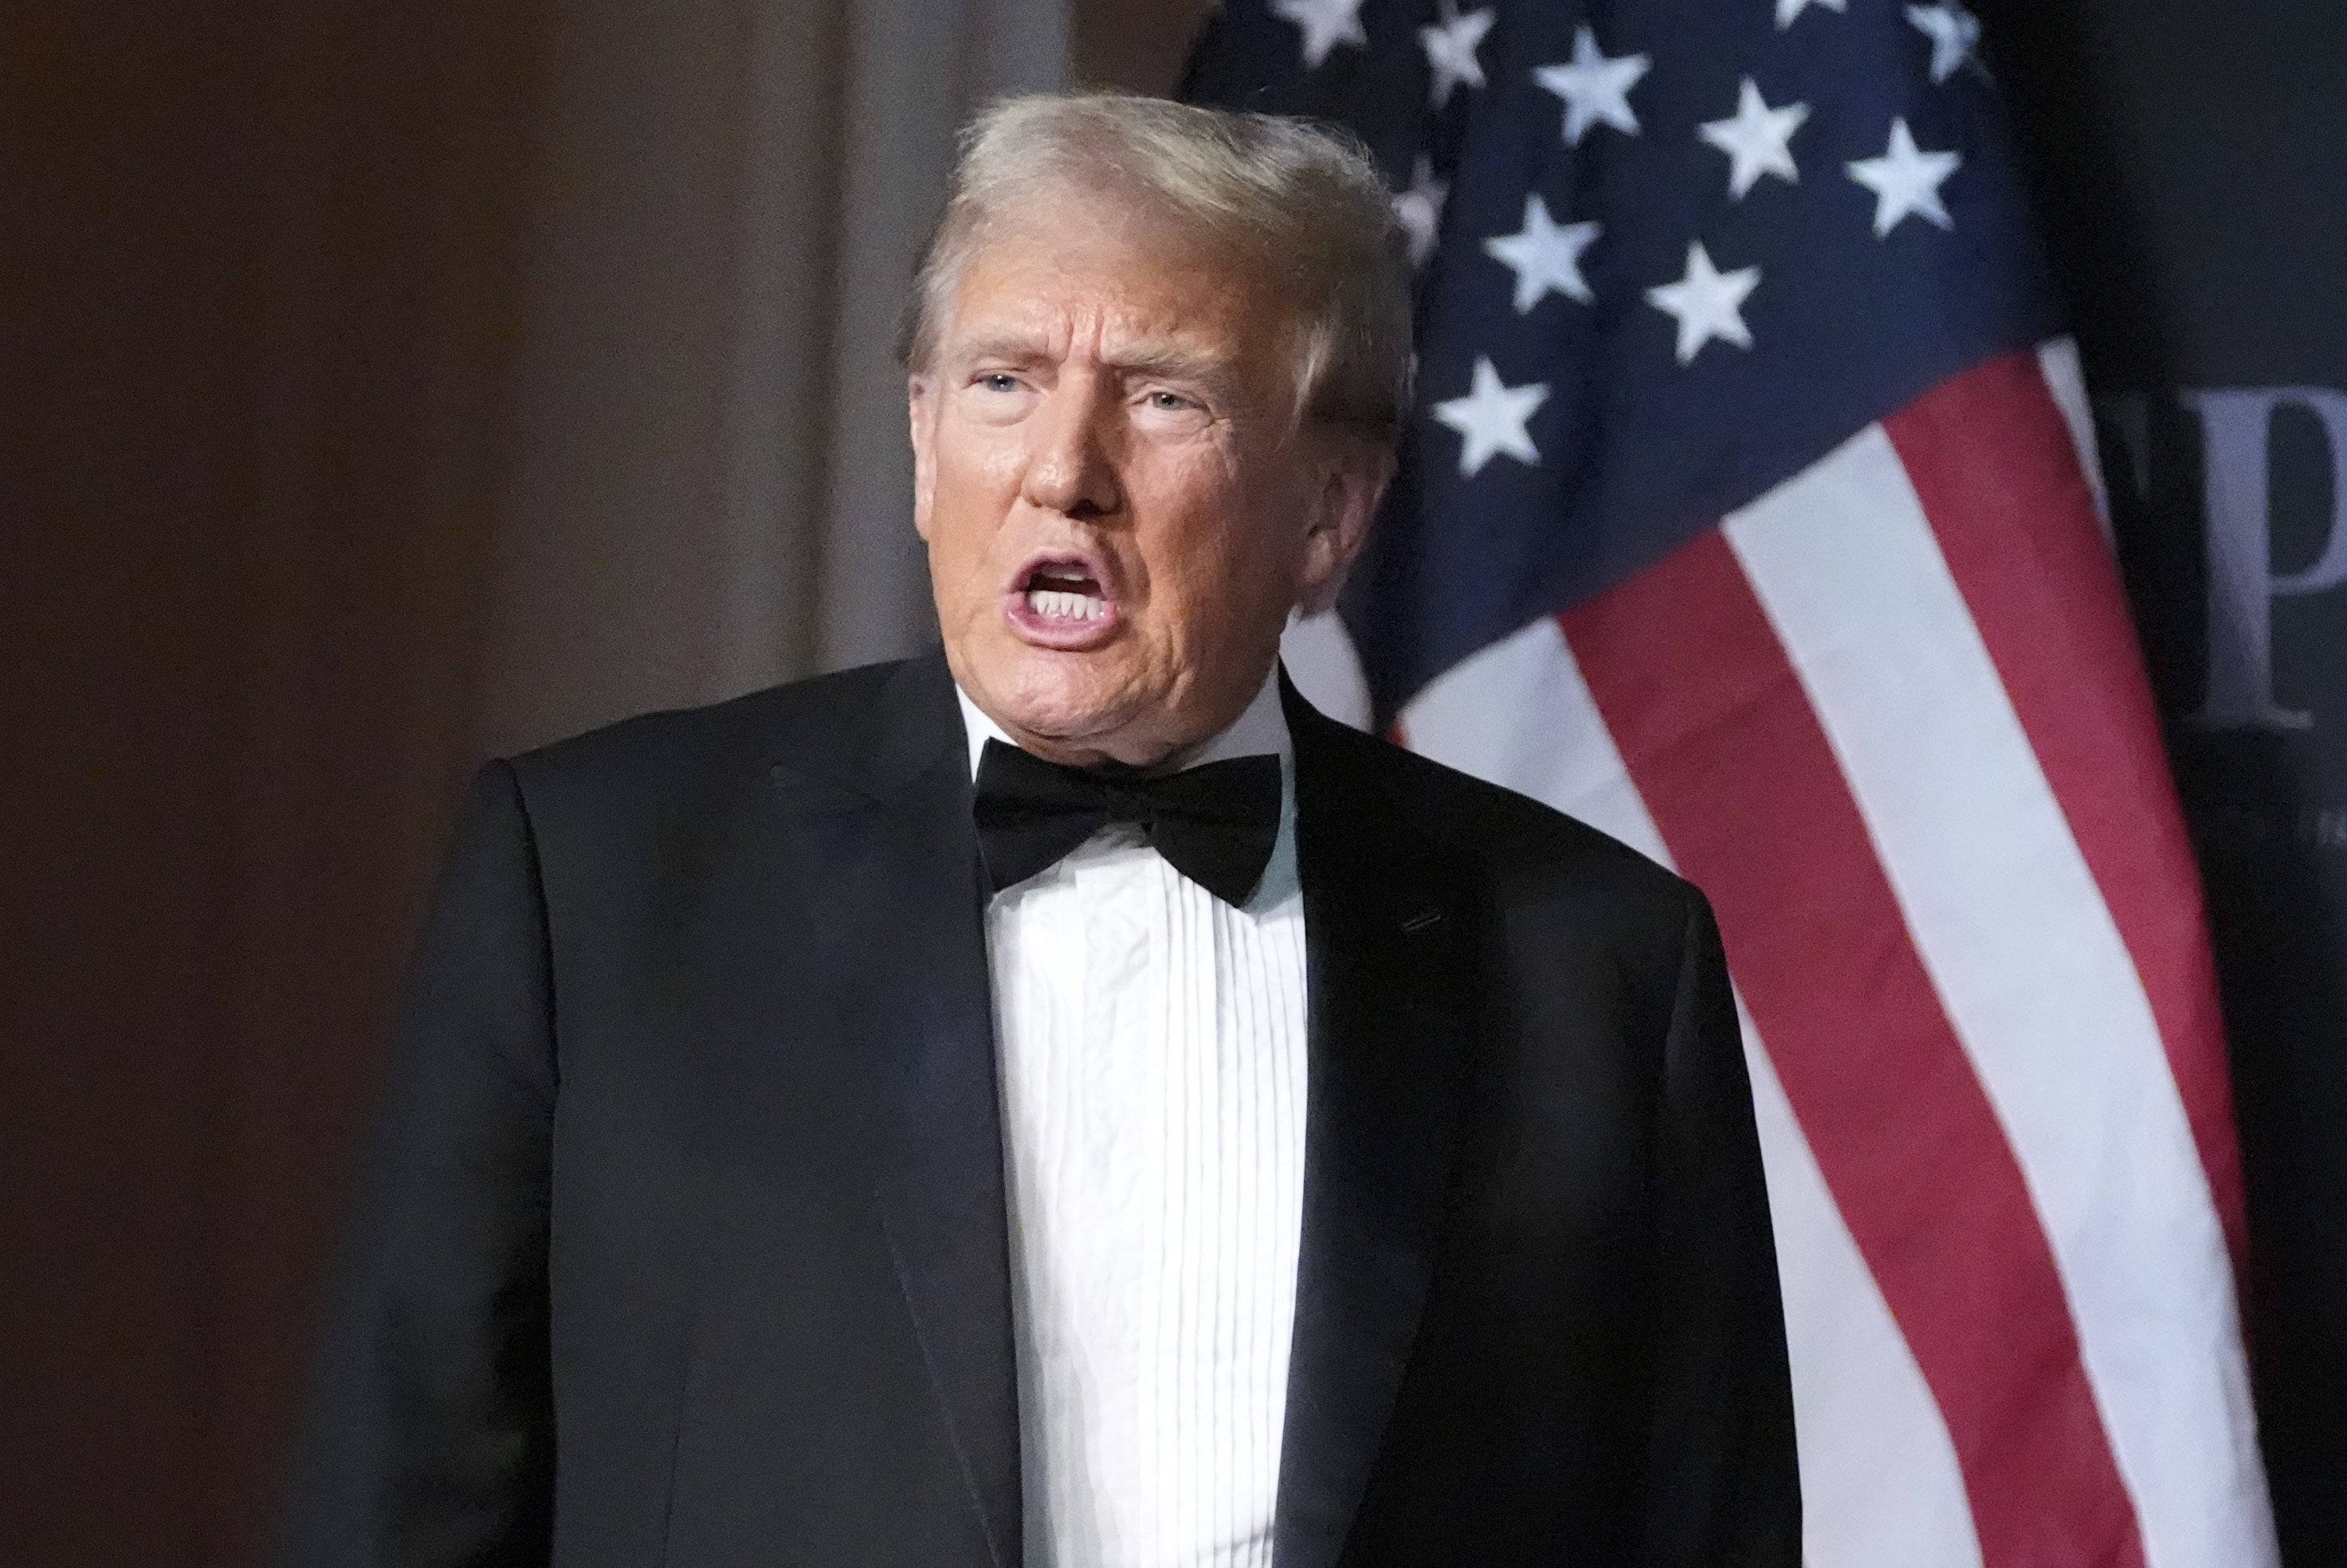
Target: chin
column 1061, row 696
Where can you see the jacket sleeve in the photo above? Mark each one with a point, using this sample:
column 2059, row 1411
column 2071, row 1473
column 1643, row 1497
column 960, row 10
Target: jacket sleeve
column 1724, row 1487
column 429, row 1439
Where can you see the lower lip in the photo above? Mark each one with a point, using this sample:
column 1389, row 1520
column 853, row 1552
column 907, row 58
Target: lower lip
column 1057, row 632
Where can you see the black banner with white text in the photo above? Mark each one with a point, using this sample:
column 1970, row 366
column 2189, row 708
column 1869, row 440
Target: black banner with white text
column 2190, row 173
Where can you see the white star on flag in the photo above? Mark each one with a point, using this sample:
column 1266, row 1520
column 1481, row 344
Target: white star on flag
column 1418, row 211
column 1906, row 180
column 1707, row 303
column 1451, row 44
column 1595, row 89
column 1788, row 10
column 1546, row 256
column 1757, row 139
column 1954, row 32
column 1325, row 25
column 1491, row 420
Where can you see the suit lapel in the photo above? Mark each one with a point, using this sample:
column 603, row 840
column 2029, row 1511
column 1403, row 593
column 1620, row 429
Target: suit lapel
column 1384, row 936
column 887, row 819
column 888, row 822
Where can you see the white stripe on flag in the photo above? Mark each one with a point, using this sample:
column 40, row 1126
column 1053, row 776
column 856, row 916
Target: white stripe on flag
column 2014, row 934
column 1879, row 1481
column 1519, row 715
column 1320, row 659
column 2066, row 379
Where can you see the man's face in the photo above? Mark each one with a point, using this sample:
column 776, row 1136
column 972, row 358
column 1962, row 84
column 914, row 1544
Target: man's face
column 1120, row 507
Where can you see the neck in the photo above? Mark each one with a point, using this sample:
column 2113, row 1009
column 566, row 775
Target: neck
column 1261, row 727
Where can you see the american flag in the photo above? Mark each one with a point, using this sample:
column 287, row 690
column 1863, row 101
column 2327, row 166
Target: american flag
column 1749, row 514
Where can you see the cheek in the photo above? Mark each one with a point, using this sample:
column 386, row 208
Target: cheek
column 982, row 459
column 974, row 484
column 1233, row 560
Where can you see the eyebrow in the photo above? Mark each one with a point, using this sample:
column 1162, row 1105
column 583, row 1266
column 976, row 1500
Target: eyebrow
column 1143, row 359
column 1174, row 365
column 1016, row 348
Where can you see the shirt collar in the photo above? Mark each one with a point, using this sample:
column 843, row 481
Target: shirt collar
column 1260, row 728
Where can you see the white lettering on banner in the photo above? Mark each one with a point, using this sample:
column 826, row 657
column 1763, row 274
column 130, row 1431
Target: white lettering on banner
column 2324, row 828
column 2242, row 584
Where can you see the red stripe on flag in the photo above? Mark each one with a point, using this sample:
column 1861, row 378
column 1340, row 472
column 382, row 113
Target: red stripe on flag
column 1720, row 739
column 1995, row 465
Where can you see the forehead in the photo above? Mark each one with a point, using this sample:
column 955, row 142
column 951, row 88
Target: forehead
column 1083, row 270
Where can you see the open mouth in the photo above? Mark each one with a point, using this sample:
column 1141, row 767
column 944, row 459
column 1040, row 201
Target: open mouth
column 1062, row 602
column 1065, row 591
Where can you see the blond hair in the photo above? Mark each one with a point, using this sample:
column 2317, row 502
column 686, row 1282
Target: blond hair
column 1300, row 205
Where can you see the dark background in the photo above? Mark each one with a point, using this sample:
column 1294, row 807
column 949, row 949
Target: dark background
column 258, row 289
column 2191, row 172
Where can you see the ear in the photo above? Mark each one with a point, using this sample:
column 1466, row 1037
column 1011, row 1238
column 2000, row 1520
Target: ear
column 921, row 417
column 1353, row 479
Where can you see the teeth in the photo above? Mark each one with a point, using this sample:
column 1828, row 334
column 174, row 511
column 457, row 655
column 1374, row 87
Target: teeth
column 1056, row 605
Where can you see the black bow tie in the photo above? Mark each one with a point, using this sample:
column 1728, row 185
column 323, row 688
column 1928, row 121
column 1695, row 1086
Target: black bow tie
column 1215, row 824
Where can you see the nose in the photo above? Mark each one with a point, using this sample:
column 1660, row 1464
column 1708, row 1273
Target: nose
column 1070, row 459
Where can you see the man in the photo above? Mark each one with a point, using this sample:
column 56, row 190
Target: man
column 1066, row 1102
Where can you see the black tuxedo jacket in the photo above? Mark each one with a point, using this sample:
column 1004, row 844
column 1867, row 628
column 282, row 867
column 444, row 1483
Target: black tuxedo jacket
column 682, row 1240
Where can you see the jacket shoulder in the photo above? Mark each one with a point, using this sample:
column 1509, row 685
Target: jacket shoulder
column 778, row 725
column 1522, row 846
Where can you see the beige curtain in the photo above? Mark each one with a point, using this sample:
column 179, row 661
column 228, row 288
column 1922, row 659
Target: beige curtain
column 708, row 485
column 382, row 385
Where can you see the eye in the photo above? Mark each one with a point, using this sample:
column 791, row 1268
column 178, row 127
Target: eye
column 1170, row 402
column 999, row 380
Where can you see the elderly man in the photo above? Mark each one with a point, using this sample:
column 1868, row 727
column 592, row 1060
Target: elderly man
column 1066, row 1102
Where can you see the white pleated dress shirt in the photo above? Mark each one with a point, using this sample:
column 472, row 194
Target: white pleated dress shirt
column 1152, row 1043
